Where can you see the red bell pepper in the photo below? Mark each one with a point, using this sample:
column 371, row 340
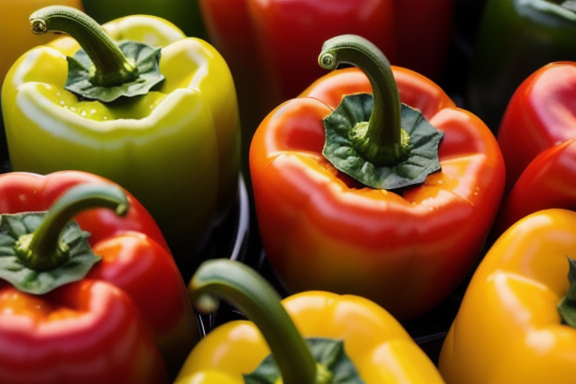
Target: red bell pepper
column 540, row 115
column 126, row 318
column 405, row 248
column 276, row 42
column 547, row 182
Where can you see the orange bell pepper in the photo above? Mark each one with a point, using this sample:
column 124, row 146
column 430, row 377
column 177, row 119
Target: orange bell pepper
column 405, row 248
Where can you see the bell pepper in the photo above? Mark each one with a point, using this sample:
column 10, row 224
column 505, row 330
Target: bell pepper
column 16, row 40
column 547, row 182
column 514, row 323
column 404, row 247
column 175, row 147
column 540, row 115
column 277, row 42
column 68, row 296
column 311, row 337
column 515, row 38
column 185, row 14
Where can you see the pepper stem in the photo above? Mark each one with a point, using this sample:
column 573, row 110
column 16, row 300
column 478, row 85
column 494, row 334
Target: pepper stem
column 567, row 306
column 111, row 67
column 42, row 250
column 381, row 140
column 251, row 294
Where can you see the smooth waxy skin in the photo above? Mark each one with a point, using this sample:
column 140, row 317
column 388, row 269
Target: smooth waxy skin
column 508, row 329
column 380, row 348
column 406, row 251
column 136, row 262
column 176, row 148
column 541, row 114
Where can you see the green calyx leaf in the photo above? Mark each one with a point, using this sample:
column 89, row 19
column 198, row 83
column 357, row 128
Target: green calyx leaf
column 333, row 365
column 74, row 267
column 567, row 306
column 420, row 142
column 146, row 59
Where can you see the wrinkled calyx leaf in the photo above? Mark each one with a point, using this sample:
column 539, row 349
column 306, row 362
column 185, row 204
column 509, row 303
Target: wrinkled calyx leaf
column 333, row 365
column 376, row 139
column 146, row 58
column 40, row 251
column 71, row 265
column 416, row 159
column 567, row 306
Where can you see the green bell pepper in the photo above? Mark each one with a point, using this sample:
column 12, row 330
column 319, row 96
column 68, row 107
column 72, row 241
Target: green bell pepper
column 514, row 39
column 175, row 147
column 184, row 13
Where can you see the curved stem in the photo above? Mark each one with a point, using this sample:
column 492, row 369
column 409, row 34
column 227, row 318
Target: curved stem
column 250, row 293
column 42, row 249
column 111, row 67
column 383, row 141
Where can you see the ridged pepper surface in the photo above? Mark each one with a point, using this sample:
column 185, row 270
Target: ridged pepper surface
column 314, row 337
column 125, row 318
column 174, row 146
column 406, row 247
column 277, row 41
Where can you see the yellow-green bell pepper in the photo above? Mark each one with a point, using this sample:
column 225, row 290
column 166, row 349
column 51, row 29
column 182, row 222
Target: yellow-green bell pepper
column 517, row 321
column 314, row 336
column 176, row 147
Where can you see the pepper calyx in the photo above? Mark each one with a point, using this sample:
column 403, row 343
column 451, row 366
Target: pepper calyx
column 40, row 251
column 567, row 306
column 333, row 365
column 376, row 139
column 411, row 165
column 146, row 59
column 102, row 70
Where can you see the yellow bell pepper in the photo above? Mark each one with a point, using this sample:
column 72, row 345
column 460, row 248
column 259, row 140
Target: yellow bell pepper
column 176, row 147
column 378, row 347
column 509, row 328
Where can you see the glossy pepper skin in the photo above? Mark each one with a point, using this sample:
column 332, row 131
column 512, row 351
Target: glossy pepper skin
column 15, row 29
column 378, row 346
column 540, row 115
column 545, row 183
column 175, row 148
column 508, row 329
column 273, row 42
column 84, row 323
column 16, row 40
column 406, row 250
column 514, row 39
column 135, row 286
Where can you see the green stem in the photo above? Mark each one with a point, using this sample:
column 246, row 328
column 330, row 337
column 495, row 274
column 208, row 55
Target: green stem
column 42, row 250
column 383, row 141
column 567, row 306
column 111, row 67
column 251, row 294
